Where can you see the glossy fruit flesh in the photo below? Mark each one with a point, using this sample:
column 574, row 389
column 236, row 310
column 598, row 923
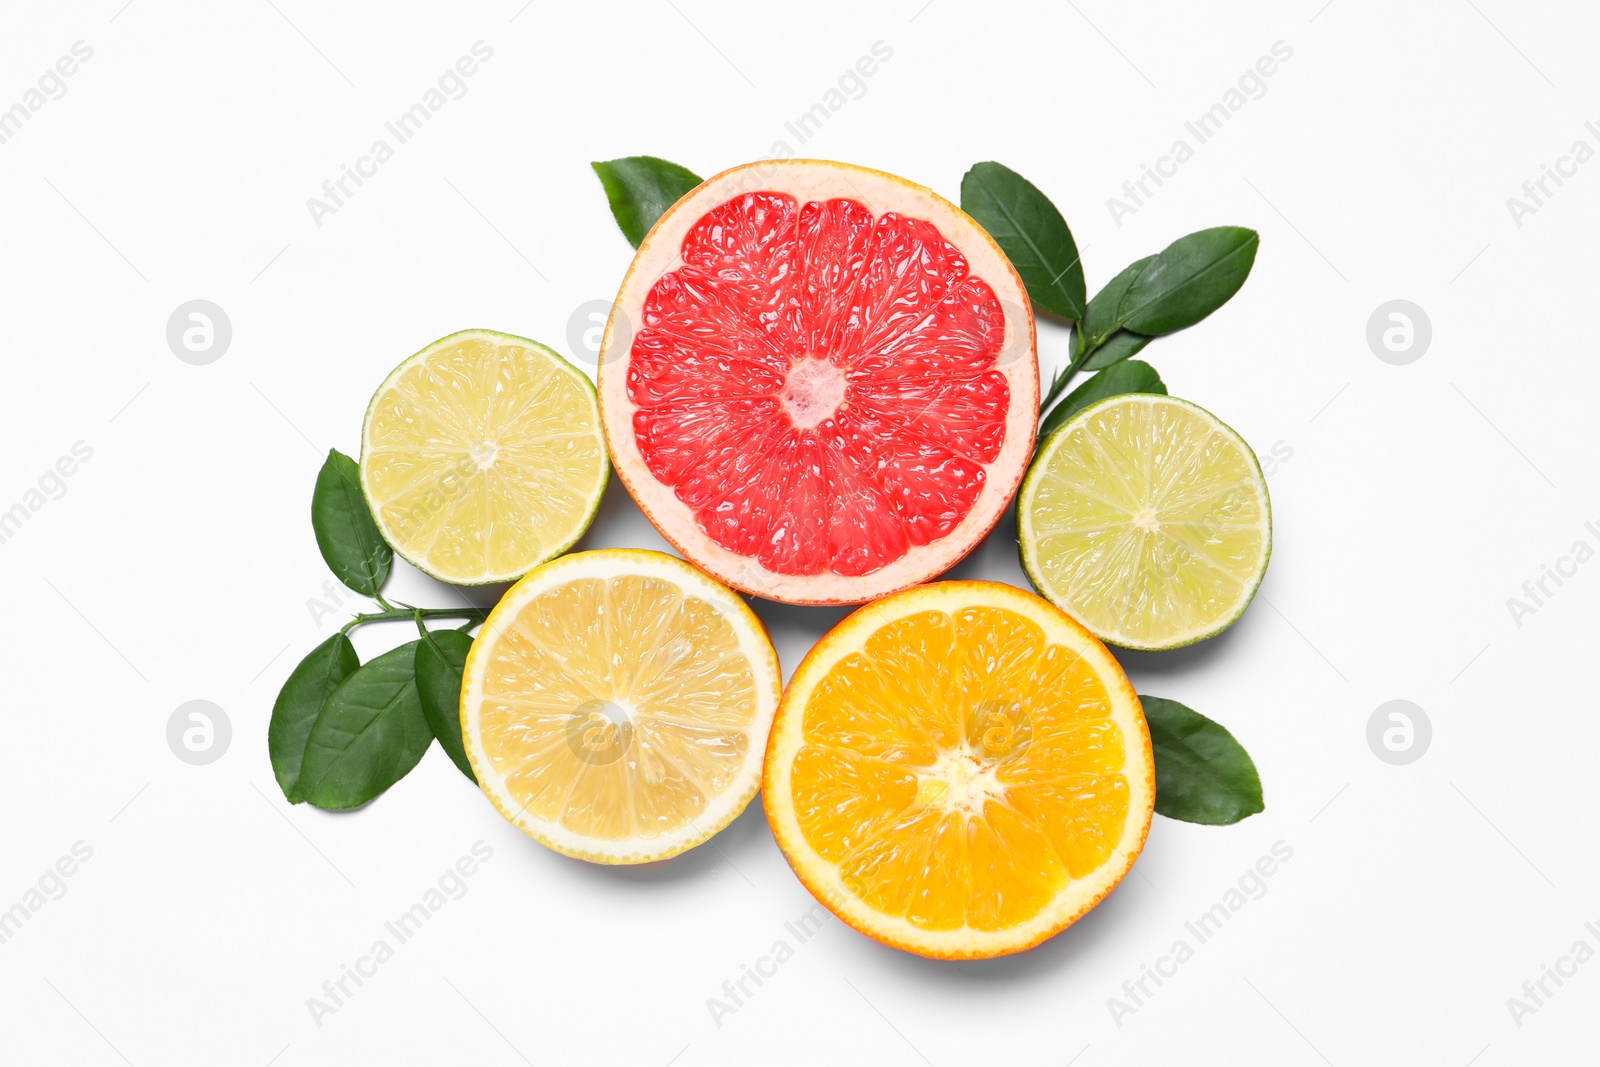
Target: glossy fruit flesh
column 482, row 457
column 818, row 384
column 616, row 708
column 961, row 770
column 1147, row 519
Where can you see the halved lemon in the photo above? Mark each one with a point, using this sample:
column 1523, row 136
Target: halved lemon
column 482, row 457
column 960, row 770
column 616, row 704
column 1147, row 519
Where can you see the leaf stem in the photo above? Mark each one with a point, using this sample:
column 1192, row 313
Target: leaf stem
column 474, row 615
column 1058, row 386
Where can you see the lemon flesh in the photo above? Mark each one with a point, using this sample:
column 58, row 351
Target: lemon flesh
column 482, row 457
column 616, row 705
column 1147, row 519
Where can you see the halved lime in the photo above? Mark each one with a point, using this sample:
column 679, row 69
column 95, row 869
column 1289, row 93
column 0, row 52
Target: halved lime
column 482, row 457
column 1147, row 519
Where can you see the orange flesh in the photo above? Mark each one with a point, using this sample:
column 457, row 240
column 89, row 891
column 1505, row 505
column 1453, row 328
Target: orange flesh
column 960, row 770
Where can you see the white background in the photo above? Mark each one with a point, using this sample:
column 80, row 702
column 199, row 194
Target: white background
column 180, row 564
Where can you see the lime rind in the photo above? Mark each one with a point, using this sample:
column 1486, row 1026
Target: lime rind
column 1027, row 537
column 595, row 497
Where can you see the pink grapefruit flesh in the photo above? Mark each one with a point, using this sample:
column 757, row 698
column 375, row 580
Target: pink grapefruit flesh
column 819, row 381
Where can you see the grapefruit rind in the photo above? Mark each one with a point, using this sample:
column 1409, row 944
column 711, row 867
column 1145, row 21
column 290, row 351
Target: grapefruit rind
column 593, row 497
column 1027, row 538
column 807, row 180
column 607, row 563
column 822, row 878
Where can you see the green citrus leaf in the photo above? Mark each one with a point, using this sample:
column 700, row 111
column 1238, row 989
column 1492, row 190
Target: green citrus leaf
column 369, row 735
column 1191, row 278
column 350, row 542
column 1129, row 376
column 640, row 189
column 1031, row 232
column 441, row 657
column 1116, row 348
column 1202, row 774
column 299, row 701
column 1100, row 320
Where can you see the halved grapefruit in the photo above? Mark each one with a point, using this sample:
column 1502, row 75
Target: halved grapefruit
column 819, row 381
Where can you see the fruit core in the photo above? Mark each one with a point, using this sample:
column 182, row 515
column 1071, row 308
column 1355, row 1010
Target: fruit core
column 959, row 781
column 484, row 453
column 601, row 730
column 814, row 391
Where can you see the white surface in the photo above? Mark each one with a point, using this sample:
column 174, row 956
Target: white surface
column 179, row 563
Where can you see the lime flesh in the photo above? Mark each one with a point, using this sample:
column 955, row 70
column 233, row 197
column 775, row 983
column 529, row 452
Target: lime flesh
column 482, row 457
column 1147, row 519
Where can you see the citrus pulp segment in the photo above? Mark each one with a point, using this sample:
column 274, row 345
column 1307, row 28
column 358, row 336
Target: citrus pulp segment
column 1147, row 519
column 959, row 770
column 615, row 705
column 482, row 457
column 819, row 381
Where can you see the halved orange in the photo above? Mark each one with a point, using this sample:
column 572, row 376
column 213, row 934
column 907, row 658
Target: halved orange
column 960, row 770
